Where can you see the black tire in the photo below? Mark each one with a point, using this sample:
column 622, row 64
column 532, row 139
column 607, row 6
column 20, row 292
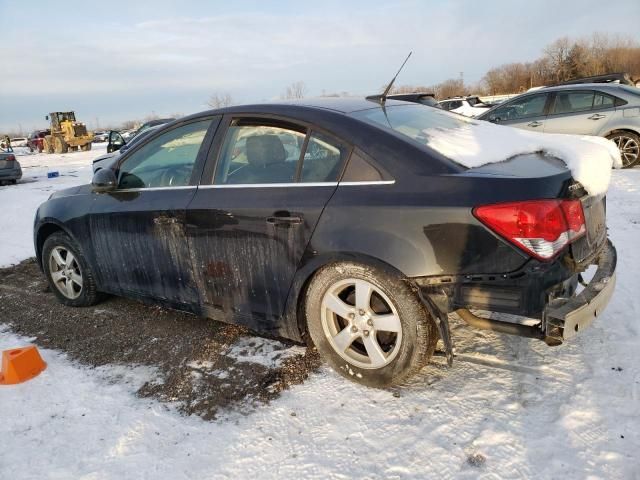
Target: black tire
column 88, row 294
column 13, row 182
column 629, row 145
column 418, row 330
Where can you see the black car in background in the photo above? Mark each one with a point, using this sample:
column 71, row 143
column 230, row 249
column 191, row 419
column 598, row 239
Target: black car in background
column 117, row 141
column 333, row 220
column 108, row 160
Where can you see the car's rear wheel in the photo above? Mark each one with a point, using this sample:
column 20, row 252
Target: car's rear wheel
column 368, row 324
column 69, row 275
column 629, row 145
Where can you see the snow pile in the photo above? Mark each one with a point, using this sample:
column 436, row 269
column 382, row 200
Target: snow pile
column 473, row 144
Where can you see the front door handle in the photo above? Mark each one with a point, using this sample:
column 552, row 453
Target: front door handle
column 284, row 220
column 534, row 124
column 596, row 116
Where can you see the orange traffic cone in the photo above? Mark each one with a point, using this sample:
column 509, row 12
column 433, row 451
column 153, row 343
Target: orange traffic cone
column 20, row 365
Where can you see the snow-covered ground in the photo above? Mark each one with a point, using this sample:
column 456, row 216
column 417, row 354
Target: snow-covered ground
column 508, row 408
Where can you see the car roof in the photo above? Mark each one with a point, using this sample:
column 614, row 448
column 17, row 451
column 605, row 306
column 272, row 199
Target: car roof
column 582, row 86
column 344, row 105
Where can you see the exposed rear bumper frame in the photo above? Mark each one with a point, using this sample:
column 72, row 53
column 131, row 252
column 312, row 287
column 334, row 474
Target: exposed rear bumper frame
column 565, row 317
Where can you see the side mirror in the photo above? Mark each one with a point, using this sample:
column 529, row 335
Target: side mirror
column 494, row 119
column 116, row 141
column 104, row 180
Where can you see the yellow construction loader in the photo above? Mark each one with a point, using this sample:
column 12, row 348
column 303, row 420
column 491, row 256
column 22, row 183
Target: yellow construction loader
column 66, row 134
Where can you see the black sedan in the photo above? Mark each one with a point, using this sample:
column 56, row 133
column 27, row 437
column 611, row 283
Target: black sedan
column 332, row 221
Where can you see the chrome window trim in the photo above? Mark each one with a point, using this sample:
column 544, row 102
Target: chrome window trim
column 258, row 185
column 372, row 182
column 299, row 184
column 177, row 187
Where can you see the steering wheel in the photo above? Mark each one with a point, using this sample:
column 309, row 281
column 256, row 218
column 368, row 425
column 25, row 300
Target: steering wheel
column 176, row 176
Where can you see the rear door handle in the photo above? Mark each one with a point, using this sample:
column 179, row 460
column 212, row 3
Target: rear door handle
column 534, row 124
column 284, row 220
column 596, row 116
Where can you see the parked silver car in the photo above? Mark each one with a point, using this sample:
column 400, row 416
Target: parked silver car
column 605, row 110
column 10, row 170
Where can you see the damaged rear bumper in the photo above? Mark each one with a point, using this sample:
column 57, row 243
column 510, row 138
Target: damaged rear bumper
column 563, row 318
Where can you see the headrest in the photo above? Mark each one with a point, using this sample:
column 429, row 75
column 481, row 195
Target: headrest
column 263, row 150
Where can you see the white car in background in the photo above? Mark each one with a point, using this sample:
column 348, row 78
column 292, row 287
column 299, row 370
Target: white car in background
column 467, row 106
column 19, row 142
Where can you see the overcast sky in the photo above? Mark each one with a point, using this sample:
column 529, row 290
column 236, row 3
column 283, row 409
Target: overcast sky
column 118, row 60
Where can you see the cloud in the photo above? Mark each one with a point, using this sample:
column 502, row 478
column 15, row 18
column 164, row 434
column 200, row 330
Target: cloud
column 143, row 57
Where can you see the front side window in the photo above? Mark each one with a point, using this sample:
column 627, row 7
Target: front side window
column 254, row 154
column 573, row 102
column 530, row 106
column 166, row 161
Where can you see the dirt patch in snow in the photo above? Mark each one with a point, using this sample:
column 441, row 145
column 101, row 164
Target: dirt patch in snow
column 202, row 366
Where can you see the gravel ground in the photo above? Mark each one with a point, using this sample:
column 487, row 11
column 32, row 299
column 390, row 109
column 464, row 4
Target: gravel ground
column 203, row 366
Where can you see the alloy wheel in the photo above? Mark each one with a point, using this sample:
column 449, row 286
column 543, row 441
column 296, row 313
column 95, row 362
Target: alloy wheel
column 65, row 272
column 361, row 323
column 629, row 149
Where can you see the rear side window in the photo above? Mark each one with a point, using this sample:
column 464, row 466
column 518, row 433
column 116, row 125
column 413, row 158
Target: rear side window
column 362, row 168
column 600, row 100
column 254, row 154
column 572, row 102
column 323, row 159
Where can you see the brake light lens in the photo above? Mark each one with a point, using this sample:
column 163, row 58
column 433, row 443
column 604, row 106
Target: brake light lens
column 539, row 227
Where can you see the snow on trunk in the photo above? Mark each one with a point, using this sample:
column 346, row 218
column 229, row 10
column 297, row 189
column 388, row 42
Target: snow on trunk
column 474, row 143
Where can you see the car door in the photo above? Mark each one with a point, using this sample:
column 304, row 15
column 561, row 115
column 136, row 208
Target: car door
column 580, row 112
column 250, row 225
column 138, row 230
column 528, row 112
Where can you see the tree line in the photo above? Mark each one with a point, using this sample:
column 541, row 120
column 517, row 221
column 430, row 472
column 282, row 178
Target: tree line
column 563, row 59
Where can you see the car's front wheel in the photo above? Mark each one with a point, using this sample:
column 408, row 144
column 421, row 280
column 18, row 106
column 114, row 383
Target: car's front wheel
column 69, row 275
column 368, row 324
column 629, row 145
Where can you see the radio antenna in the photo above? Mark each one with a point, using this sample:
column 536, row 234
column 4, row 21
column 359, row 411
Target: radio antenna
column 383, row 97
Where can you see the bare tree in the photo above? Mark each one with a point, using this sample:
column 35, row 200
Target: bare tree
column 295, row 90
column 453, row 87
column 220, row 100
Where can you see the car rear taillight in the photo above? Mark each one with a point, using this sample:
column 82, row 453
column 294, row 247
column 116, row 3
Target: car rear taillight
column 11, row 158
column 539, row 227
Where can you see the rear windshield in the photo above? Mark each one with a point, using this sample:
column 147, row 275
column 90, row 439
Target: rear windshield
column 413, row 120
